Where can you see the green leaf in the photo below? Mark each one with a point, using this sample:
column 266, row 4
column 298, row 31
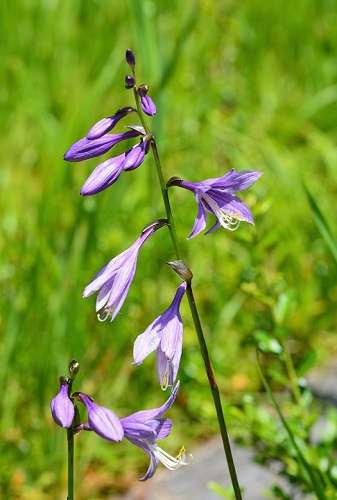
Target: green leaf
column 267, row 343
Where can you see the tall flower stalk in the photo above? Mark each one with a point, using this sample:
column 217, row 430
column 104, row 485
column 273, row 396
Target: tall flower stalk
column 194, row 311
column 165, row 334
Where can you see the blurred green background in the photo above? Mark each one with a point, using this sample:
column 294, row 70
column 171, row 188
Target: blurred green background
column 246, row 84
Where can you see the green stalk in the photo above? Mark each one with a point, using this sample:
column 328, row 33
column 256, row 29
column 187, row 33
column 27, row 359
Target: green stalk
column 70, row 443
column 194, row 312
column 316, row 484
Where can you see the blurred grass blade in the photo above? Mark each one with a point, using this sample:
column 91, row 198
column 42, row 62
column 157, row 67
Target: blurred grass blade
column 315, row 483
column 322, row 224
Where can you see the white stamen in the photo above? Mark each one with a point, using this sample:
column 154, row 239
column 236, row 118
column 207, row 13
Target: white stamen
column 228, row 220
column 103, row 316
column 170, row 462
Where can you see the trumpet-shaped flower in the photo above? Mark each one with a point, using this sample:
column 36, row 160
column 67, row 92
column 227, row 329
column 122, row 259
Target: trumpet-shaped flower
column 166, row 335
column 62, row 408
column 145, row 427
column 114, row 280
column 107, row 173
column 216, row 197
column 142, row 429
column 101, row 420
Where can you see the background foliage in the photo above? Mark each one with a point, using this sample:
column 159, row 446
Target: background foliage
column 248, row 84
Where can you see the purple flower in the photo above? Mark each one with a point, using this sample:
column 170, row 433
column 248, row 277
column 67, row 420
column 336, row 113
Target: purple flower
column 62, row 408
column 166, row 335
column 85, row 148
column 143, row 429
column 115, row 278
column 101, row 420
column 146, row 103
column 106, row 124
column 107, row 173
column 216, row 197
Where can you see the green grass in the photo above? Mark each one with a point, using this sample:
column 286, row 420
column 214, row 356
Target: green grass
column 247, row 84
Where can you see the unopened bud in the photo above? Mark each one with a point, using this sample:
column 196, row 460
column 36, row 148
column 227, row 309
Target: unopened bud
column 74, row 368
column 181, row 269
column 130, row 58
column 130, row 82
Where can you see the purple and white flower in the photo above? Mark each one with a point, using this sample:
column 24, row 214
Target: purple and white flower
column 166, row 335
column 216, row 197
column 142, row 429
column 114, row 280
column 62, row 408
column 145, row 427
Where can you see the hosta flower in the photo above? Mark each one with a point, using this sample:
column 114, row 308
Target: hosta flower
column 216, row 197
column 166, row 335
column 107, row 173
column 85, row 148
column 62, row 408
column 146, row 103
column 101, row 420
column 106, row 124
column 114, row 280
column 145, row 427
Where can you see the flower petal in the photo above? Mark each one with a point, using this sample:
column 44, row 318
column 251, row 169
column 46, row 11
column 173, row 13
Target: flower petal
column 104, row 175
column 200, row 221
column 102, row 420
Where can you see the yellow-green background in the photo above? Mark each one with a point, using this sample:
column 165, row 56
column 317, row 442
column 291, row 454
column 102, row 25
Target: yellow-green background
column 246, row 84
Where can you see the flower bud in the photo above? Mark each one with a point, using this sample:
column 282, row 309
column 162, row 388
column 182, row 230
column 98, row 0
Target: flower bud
column 181, row 269
column 102, row 420
column 130, row 82
column 130, row 58
column 62, row 408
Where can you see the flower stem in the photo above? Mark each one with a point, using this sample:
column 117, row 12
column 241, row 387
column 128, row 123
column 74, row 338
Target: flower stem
column 215, row 391
column 194, row 312
column 70, row 443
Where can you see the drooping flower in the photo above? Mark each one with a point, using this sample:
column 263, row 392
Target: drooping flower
column 145, row 427
column 62, row 408
column 114, row 280
column 107, row 173
column 90, row 148
column 166, row 335
column 216, row 197
column 101, row 420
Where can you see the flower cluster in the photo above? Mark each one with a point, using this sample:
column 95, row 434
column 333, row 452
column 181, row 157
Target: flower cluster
column 165, row 334
column 142, row 429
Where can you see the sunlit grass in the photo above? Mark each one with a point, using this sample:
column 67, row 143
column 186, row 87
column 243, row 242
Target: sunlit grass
column 249, row 85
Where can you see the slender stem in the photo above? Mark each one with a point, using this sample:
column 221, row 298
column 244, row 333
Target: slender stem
column 292, row 374
column 70, row 443
column 316, row 484
column 214, row 390
column 194, row 312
